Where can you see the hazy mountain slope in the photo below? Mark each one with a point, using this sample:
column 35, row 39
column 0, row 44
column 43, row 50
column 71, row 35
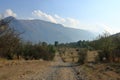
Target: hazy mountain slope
column 38, row 30
column 116, row 35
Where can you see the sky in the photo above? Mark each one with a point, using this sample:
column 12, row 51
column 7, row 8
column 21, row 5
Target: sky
column 94, row 15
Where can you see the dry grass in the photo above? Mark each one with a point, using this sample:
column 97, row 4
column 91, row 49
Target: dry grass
column 99, row 72
column 69, row 54
column 16, row 70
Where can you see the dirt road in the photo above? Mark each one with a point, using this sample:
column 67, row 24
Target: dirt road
column 37, row 70
column 62, row 71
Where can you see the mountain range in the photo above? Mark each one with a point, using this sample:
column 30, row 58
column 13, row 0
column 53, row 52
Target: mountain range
column 43, row 31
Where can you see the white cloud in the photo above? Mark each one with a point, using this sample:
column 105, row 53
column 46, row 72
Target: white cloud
column 98, row 28
column 43, row 16
column 9, row 12
column 109, row 29
column 72, row 22
column 69, row 22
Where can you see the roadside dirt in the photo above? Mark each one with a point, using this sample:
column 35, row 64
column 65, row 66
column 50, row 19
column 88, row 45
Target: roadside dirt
column 97, row 72
column 23, row 70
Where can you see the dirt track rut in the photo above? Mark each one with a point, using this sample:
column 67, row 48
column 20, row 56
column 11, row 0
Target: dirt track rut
column 63, row 71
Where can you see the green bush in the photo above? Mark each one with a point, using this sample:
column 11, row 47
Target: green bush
column 82, row 55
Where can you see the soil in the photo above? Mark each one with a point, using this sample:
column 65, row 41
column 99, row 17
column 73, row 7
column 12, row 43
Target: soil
column 36, row 70
column 53, row 70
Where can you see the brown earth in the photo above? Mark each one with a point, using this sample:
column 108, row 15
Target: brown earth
column 54, row 70
column 23, row 70
column 36, row 70
column 98, row 72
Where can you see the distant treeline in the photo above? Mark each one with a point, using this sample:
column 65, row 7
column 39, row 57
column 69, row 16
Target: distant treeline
column 12, row 46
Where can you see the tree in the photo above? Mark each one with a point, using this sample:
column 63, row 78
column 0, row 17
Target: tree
column 56, row 43
column 9, row 40
column 82, row 55
column 105, row 44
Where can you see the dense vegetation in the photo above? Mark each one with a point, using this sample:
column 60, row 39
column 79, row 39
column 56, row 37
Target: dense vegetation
column 12, row 46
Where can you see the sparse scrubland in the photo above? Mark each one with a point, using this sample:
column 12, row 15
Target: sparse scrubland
column 20, row 60
column 100, row 58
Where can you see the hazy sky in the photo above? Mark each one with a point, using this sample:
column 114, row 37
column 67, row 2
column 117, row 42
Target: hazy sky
column 94, row 15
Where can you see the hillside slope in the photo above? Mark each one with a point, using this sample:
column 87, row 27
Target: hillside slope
column 38, row 30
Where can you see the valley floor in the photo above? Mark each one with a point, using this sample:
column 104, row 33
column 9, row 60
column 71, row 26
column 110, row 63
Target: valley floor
column 53, row 70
